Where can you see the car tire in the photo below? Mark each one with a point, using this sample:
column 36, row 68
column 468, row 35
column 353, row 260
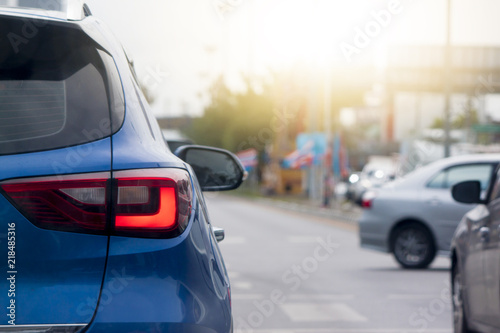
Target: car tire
column 413, row 246
column 459, row 317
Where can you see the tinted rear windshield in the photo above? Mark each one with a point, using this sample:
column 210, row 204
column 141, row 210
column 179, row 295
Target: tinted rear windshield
column 57, row 87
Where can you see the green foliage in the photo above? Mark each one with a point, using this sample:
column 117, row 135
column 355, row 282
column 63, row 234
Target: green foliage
column 466, row 119
column 235, row 121
column 463, row 120
column 270, row 114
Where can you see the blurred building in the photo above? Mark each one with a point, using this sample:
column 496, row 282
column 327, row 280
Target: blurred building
column 415, row 82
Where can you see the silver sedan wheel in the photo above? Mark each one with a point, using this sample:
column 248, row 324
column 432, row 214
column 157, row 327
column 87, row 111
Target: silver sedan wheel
column 413, row 246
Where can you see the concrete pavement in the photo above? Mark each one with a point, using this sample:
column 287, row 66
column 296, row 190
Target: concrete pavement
column 294, row 272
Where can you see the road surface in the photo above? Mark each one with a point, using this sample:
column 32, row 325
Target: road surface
column 294, row 273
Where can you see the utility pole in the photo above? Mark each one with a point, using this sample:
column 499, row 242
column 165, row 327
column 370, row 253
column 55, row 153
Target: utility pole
column 447, row 82
column 251, row 45
column 314, row 188
column 327, row 173
column 315, row 184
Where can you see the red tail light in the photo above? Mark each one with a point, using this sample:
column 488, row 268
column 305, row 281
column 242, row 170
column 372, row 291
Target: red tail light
column 70, row 203
column 142, row 203
column 156, row 204
column 366, row 203
column 367, row 199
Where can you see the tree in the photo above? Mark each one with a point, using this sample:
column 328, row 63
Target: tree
column 235, row 121
column 463, row 120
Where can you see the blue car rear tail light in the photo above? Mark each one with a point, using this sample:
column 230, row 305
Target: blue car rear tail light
column 153, row 203
column 61, row 202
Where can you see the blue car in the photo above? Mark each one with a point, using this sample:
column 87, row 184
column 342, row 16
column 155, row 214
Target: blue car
column 103, row 228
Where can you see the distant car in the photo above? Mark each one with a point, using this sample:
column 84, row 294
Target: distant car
column 414, row 217
column 103, row 228
column 378, row 171
column 475, row 257
column 174, row 144
column 363, row 182
column 175, row 139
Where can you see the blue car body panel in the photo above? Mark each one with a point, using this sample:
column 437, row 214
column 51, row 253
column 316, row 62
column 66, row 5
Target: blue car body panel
column 58, row 273
column 90, row 157
column 172, row 284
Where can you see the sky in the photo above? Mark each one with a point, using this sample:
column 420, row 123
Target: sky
column 180, row 46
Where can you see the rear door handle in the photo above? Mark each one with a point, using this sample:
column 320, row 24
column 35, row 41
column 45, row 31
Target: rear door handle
column 434, row 202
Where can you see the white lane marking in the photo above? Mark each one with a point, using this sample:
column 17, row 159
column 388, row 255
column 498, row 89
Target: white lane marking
column 233, row 240
column 346, row 330
column 411, row 296
column 334, row 297
column 295, row 297
column 303, row 239
column 242, row 285
column 311, row 312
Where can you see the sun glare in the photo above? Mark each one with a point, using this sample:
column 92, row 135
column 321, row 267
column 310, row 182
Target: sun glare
column 303, row 31
column 320, row 32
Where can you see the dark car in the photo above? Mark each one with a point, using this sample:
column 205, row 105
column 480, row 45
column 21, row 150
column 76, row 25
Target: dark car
column 175, row 139
column 103, row 228
column 475, row 254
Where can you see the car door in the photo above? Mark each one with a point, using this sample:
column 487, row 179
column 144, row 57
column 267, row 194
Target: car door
column 490, row 237
column 473, row 269
column 440, row 209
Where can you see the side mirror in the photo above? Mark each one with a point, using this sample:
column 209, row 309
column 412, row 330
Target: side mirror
column 216, row 169
column 468, row 192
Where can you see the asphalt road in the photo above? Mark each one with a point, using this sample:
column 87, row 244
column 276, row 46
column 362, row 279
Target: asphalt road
column 291, row 272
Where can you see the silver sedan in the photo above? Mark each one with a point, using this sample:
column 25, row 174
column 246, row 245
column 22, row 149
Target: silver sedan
column 415, row 217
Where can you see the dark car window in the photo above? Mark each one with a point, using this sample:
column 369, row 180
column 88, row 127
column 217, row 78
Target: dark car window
column 56, row 90
column 438, row 181
column 451, row 176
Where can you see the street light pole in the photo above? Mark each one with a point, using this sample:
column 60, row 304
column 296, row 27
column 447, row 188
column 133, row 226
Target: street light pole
column 447, row 83
column 314, row 186
column 327, row 107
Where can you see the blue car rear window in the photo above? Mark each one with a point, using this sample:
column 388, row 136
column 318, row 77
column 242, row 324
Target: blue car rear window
column 26, row 105
column 57, row 89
